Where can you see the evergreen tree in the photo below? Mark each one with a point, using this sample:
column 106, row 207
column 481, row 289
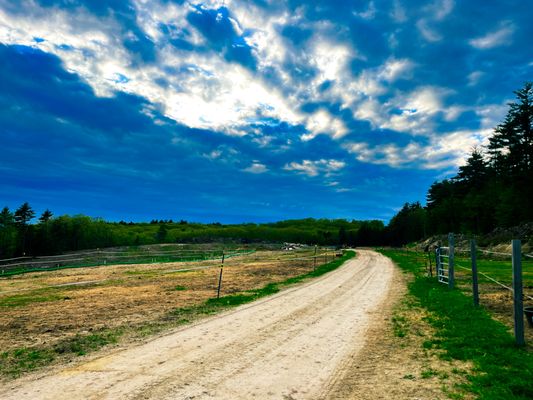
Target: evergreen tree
column 23, row 215
column 475, row 171
column 511, row 146
column 7, row 233
column 6, row 218
column 45, row 216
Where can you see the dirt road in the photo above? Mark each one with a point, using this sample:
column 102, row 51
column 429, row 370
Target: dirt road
column 293, row 345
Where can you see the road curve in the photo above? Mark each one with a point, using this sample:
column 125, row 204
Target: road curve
column 290, row 345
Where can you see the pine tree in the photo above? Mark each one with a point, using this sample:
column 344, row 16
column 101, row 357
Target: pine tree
column 511, row 146
column 475, row 171
column 23, row 215
column 45, row 216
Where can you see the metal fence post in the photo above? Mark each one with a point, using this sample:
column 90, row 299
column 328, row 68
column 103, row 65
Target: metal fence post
column 517, row 293
column 473, row 255
column 451, row 244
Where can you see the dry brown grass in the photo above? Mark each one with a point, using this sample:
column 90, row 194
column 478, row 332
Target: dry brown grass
column 34, row 311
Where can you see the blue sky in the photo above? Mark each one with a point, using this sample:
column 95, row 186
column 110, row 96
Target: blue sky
column 240, row 111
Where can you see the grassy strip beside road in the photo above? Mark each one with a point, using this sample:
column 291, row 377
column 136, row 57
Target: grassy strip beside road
column 463, row 332
column 16, row 362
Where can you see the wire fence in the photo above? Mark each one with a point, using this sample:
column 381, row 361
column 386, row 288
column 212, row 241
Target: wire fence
column 20, row 265
column 325, row 255
column 93, row 258
column 487, row 276
column 503, row 270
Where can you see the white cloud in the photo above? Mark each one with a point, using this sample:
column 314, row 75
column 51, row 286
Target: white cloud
column 448, row 150
column 330, row 59
column 314, row 168
column 323, row 122
column 395, row 68
column 428, row 33
column 497, row 38
column 440, row 9
column 474, row 77
column 398, row 12
column 369, row 13
column 256, row 168
column 410, row 112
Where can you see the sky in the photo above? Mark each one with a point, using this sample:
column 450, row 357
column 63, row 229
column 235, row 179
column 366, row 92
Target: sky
column 249, row 111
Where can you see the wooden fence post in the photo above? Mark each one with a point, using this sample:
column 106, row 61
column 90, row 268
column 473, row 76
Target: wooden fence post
column 314, row 259
column 451, row 256
column 517, row 293
column 475, row 289
column 430, row 266
column 220, row 276
column 438, row 265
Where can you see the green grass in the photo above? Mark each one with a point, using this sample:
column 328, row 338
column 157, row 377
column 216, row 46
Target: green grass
column 501, row 370
column 34, row 296
column 16, row 362
column 500, row 270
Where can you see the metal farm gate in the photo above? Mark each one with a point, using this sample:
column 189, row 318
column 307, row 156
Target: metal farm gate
column 445, row 262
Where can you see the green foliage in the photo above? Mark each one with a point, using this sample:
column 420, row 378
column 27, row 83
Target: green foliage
column 464, row 332
column 56, row 235
column 408, row 225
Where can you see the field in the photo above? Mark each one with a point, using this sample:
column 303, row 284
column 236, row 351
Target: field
column 43, row 310
column 493, row 296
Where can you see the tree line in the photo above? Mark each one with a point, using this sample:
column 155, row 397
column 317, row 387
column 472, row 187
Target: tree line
column 20, row 235
column 493, row 189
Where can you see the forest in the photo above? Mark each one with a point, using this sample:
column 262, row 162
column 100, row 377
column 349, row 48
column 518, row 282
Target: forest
column 56, row 235
column 493, row 189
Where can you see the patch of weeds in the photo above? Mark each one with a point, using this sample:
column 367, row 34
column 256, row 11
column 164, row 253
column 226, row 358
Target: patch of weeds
column 428, row 373
column 83, row 344
column 180, row 288
column 13, row 363
column 399, row 325
column 409, row 376
column 34, row 296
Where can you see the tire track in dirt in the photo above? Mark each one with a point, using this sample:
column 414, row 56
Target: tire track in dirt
column 287, row 346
